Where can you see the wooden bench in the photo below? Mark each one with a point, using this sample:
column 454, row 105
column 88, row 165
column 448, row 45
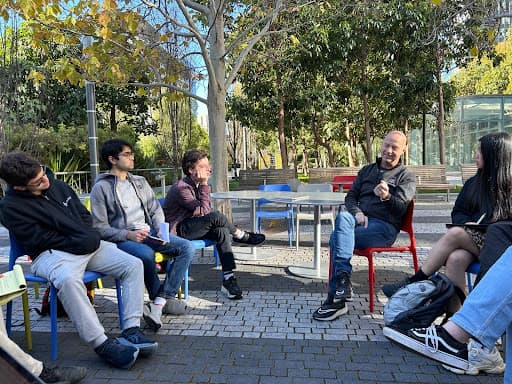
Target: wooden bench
column 467, row 171
column 326, row 175
column 253, row 178
column 432, row 177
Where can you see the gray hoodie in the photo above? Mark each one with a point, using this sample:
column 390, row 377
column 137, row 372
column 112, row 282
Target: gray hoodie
column 108, row 215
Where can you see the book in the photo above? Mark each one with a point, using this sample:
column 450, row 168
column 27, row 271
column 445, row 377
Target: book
column 12, row 284
column 478, row 227
column 156, row 239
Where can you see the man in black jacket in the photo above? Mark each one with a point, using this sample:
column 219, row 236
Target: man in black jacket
column 375, row 206
column 49, row 221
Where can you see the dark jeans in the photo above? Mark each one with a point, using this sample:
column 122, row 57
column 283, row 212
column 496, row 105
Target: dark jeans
column 497, row 240
column 214, row 226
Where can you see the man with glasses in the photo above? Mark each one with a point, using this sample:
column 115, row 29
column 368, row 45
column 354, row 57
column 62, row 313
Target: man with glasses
column 53, row 226
column 126, row 211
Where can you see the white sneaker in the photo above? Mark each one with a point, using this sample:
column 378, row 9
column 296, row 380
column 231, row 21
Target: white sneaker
column 152, row 315
column 175, row 307
column 480, row 359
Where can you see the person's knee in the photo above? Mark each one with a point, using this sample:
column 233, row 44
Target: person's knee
column 345, row 222
column 188, row 250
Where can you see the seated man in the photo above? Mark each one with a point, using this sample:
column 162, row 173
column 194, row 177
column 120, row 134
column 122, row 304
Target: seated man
column 49, row 221
column 126, row 211
column 36, row 367
column 188, row 210
column 375, row 206
column 465, row 344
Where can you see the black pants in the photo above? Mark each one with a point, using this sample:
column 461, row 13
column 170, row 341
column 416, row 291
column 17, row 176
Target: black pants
column 497, row 240
column 216, row 227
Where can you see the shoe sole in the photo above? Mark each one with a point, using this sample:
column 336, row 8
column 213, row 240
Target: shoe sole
column 226, row 293
column 145, row 349
column 424, row 350
column 242, row 244
column 475, row 371
column 155, row 326
column 335, row 315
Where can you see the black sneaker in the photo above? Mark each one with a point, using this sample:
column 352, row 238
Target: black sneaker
column 117, row 354
column 390, row 289
column 69, row 375
column 251, row 238
column 330, row 311
column 135, row 337
column 344, row 289
column 433, row 342
column 231, row 289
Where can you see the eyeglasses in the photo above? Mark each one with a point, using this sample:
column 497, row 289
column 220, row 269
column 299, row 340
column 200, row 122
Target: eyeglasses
column 129, row 155
column 40, row 180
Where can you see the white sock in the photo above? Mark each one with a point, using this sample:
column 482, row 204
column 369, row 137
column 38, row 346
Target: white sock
column 159, row 301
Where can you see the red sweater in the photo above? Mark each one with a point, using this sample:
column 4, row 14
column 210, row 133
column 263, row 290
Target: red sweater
column 184, row 199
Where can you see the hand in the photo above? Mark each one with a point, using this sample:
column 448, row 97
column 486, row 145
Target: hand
column 202, row 176
column 382, row 190
column 138, row 236
column 361, row 219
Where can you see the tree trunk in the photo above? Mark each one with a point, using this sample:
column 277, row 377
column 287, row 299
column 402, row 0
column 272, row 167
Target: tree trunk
column 440, row 100
column 280, row 131
column 217, row 112
column 113, row 123
column 366, row 110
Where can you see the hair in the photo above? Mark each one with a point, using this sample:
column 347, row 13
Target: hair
column 113, row 148
column 491, row 193
column 18, row 168
column 190, row 158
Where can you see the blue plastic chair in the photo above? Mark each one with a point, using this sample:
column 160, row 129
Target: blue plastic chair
column 472, row 269
column 276, row 214
column 198, row 244
column 16, row 250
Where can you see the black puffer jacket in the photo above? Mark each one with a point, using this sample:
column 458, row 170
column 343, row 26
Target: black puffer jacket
column 55, row 220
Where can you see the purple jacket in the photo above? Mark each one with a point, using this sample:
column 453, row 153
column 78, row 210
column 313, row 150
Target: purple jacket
column 184, row 199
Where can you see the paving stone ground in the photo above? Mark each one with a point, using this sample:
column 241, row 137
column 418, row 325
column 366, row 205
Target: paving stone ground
column 269, row 336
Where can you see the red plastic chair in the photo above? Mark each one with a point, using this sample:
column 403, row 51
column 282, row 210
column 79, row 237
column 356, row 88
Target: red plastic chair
column 343, row 182
column 369, row 252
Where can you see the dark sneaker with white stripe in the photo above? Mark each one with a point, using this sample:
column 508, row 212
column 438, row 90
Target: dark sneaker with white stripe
column 330, row 311
column 135, row 337
column 344, row 289
column 433, row 342
column 231, row 289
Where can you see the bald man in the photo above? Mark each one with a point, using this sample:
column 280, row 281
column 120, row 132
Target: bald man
column 375, row 206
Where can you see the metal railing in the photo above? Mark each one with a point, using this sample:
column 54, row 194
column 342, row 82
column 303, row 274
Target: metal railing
column 159, row 178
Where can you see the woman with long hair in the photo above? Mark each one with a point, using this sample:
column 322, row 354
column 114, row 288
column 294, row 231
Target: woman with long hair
column 485, row 197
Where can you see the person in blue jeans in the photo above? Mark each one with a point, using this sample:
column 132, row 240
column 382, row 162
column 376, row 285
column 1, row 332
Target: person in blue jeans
column 466, row 342
column 375, row 207
column 126, row 211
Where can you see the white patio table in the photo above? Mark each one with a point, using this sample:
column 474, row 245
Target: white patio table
column 317, row 200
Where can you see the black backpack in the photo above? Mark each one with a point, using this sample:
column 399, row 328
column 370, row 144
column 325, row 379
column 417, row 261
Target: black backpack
column 418, row 304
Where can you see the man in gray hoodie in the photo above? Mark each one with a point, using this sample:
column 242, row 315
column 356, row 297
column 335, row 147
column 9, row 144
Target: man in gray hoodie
column 126, row 211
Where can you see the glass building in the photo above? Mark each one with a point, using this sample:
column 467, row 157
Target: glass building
column 472, row 117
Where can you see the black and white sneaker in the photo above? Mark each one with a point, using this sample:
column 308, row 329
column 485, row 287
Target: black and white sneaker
column 231, row 289
column 433, row 342
column 330, row 310
column 344, row 291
